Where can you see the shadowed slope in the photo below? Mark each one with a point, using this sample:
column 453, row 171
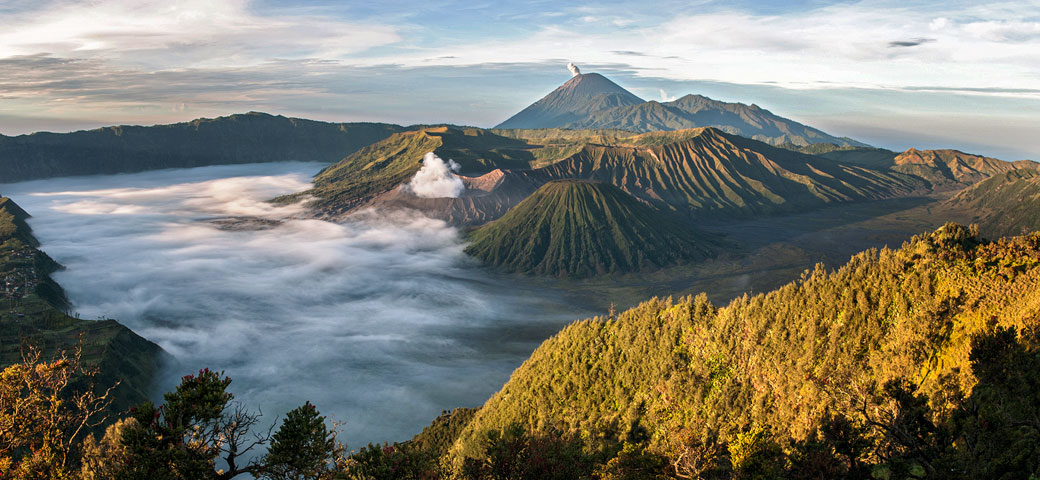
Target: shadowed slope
column 579, row 229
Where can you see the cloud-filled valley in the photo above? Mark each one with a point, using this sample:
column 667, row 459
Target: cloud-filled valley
column 381, row 321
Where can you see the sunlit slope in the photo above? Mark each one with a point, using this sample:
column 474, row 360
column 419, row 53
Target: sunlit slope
column 32, row 309
column 245, row 138
column 706, row 171
column 1006, row 204
column 578, row 228
column 680, row 370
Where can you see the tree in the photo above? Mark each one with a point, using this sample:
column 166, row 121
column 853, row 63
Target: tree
column 183, row 438
column 45, row 409
column 303, row 448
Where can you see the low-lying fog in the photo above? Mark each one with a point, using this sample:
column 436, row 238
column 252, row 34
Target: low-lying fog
column 380, row 321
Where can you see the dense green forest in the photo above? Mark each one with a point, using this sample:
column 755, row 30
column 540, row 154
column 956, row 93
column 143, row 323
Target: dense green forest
column 244, row 138
column 908, row 363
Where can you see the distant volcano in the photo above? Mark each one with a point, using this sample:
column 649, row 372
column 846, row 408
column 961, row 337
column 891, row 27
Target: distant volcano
column 582, row 95
column 591, row 101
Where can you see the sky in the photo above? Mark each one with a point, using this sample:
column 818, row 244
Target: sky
column 895, row 74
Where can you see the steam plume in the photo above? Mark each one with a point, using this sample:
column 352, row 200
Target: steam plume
column 436, row 179
column 574, row 69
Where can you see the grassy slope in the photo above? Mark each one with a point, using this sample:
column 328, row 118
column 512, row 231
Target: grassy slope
column 777, row 360
column 1006, row 204
column 575, row 228
column 121, row 354
column 245, row 138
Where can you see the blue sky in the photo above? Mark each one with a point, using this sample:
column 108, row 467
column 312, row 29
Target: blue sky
column 894, row 74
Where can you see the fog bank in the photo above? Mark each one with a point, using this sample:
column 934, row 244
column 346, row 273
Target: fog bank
column 380, row 321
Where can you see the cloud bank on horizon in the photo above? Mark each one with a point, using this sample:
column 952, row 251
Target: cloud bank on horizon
column 76, row 63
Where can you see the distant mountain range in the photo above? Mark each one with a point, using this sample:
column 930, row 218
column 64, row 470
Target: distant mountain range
column 591, row 101
column 244, row 138
column 940, row 168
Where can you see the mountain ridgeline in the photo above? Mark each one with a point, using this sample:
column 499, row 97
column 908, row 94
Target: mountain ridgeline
column 244, row 138
column 696, row 173
column 1005, row 204
column 591, row 101
column 944, row 169
column 579, row 228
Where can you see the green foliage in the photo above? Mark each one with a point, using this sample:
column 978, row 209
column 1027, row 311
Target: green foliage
column 302, row 449
column 438, row 437
column 579, row 229
column 393, row 462
column 513, row 454
column 182, row 438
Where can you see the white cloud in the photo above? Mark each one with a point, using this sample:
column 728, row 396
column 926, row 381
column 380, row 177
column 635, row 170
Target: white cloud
column 181, row 33
column 844, row 45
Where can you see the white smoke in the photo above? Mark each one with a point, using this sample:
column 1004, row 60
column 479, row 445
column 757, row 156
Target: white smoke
column 436, row 179
column 574, row 69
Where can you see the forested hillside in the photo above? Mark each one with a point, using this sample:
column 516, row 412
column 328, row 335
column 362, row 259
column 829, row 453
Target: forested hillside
column 902, row 363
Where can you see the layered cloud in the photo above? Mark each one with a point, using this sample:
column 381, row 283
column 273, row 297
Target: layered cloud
column 145, row 61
